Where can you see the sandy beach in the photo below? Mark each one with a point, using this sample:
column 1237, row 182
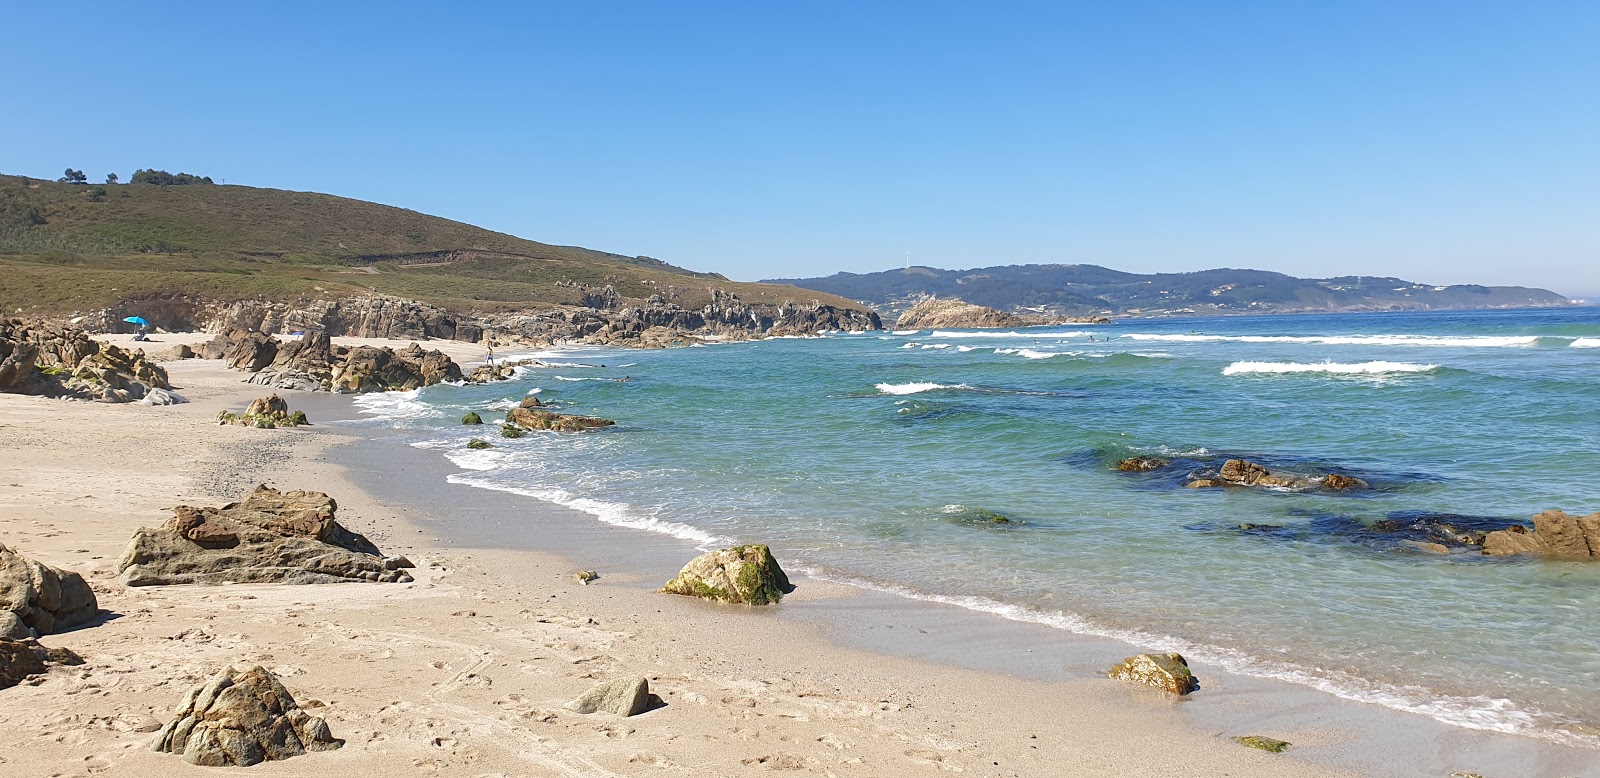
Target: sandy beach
column 465, row 671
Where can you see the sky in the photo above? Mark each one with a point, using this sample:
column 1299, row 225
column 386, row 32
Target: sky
column 1442, row 142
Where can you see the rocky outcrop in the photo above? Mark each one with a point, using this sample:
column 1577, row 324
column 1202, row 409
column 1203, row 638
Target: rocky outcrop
column 269, row 412
column 269, row 537
column 1243, row 472
column 658, row 322
column 312, row 363
column 954, row 314
column 742, row 574
column 41, row 598
column 1140, row 464
column 1554, row 534
column 57, row 361
column 1168, row 672
column 22, row 658
column 622, row 697
column 536, row 418
column 241, row 718
column 934, row 312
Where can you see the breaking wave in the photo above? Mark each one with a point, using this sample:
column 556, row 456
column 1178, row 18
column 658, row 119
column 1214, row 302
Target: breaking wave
column 1338, row 368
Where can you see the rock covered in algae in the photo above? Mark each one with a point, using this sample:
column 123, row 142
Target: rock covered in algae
column 741, row 574
column 1169, row 672
column 1263, row 742
column 241, row 718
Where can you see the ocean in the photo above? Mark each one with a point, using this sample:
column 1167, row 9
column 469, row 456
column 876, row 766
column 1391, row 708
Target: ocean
column 880, row 458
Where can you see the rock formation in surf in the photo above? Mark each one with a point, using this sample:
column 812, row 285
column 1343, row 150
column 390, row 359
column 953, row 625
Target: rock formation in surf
column 38, row 599
column 1168, row 672
column 531, row 415
column 1243, row 472
column 269, row 537
column 241, row 718
column 742, row 574
column 59, row 361
column 1554, row 534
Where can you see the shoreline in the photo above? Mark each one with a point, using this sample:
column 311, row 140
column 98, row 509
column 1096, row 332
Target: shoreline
column 833, row 674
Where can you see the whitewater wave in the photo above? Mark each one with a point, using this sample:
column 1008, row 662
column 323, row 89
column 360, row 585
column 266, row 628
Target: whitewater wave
column 904, row 332
column 1471, row 341
column 1491, row 714
column 1008, row 334
column 393, row 406
column 1585, row 343
column 1355, row 368
column 1026, row 353
column 615, row 514
column 917, row 387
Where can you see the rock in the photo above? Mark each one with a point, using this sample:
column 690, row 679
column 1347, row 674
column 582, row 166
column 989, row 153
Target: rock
column 398, row 562
column 510, row 431
column 57, row 361
column 585, row 576
column 539, row 419
column 18, row 660
column 266, row 413
column 270, row 537
column 1205, row 483
column 1554, row 533
column 1342, row 482
column 1141, row 464
column 178, row 352
column 162, row 397
column 12, row 628
column 369, row 369
column 45, row 599
column 472, row 417
column 1263, row 742
column 933, row 313
column 530, row 401
column 623, row 697
column 267, row 405
column 741, row 574
column 1432, row 548
column 478, row 444
column 1169, row 672
column 1242, row 472
column 238, row 719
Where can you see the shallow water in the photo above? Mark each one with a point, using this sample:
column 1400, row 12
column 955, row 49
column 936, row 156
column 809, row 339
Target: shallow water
column 866, row 457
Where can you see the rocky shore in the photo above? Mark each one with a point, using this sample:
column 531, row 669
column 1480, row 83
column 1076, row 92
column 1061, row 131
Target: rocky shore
column 957, row 314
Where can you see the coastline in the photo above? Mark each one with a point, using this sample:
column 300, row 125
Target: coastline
column 464, row 671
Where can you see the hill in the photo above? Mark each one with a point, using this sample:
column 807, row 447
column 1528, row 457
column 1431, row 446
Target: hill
column 70, row 248
column 1091, row 289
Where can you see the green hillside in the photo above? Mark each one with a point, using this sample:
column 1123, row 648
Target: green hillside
column 66, row 247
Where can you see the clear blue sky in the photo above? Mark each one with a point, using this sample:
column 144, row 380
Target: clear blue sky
column 1441, row 141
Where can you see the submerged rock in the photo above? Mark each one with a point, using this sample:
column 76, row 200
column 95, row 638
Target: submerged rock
column 43, row 599
column 479, row 444
column 1140, row 464
column 1169, row 672
column 623, row 697
column 1243, row 472
column 270, row 537
column 238, row 719
column 1554, row 533
column 741, row 574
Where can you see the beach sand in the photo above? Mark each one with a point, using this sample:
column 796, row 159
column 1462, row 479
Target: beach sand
column 465, row 671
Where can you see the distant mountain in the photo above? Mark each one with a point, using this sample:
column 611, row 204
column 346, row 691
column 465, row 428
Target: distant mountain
column 1090, row 289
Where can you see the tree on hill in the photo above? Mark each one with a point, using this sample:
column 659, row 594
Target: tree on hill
column 163, row 178
column 74, row 177
column 111, row 178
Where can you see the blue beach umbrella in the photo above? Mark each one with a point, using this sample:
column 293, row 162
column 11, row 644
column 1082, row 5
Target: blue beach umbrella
column 137, row 320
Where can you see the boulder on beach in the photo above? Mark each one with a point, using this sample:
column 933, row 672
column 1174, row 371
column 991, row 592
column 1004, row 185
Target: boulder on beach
column 20, row 658
column 1269, row 744
column 622, row 697
column 269, row 537
column 1168, row 672
column 43, row 599
column 1554, row 533
column 241, row 718
column 57, row 361
column 742, row 574
column 534, row 418
column 266, row 413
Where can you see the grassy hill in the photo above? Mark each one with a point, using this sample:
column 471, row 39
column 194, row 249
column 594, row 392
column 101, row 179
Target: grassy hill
column 66, row 248
column 1090, row 289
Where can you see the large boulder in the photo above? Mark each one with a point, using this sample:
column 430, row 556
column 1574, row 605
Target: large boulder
column 60, row 361
column 741, row 574
column 241, row 718
column 535, row 418
column 269, row 537
column 44, row 599
column 372, row 369
column 1554, row 533
column 622, row 697
column 1169, row 672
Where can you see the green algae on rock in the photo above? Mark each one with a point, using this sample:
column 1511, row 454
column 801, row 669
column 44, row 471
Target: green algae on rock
column 1263, row 742
column 746, row 575
column 1169, row 672
column 472, row 417
column 479, row 443
column 510, row 431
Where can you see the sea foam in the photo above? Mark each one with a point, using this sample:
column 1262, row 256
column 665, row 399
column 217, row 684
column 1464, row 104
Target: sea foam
column 1585, row 343
column 1472, row 341
column 1338, row 368
column 916, row 387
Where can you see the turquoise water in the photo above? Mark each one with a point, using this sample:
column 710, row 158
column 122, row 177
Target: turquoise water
column 864, row 457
